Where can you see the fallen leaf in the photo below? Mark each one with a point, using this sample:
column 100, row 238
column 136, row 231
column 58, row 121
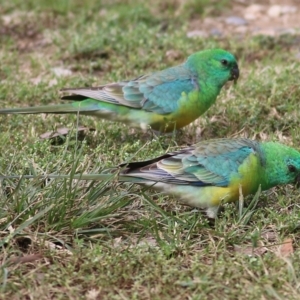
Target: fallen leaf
column 61, row 72
column 149, row 241
column 286, row 248
column 117, row 241
column 173, row 54
column 63, row 131
column 92, row 294
column 250, row 250
column 25, row 259
column 270, row 236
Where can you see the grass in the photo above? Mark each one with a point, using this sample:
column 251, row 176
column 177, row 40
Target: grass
column 102, row 240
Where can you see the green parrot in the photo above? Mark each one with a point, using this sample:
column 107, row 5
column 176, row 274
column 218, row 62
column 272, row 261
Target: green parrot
column 165, row 100
column 211, row 172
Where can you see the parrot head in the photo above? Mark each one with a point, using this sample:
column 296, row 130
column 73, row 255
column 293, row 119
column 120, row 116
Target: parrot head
column 218, row 65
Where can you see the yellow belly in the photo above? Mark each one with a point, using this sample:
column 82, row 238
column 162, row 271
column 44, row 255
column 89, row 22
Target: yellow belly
column 247, row 180
column 190, row 108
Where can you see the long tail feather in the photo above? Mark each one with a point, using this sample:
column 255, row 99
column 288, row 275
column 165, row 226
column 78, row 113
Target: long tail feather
column 100, row 177
column 54, row 109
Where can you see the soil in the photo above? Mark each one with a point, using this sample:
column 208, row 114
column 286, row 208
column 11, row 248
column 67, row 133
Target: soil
column 249, row 18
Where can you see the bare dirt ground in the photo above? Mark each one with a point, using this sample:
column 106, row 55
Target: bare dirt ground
column 251, row 18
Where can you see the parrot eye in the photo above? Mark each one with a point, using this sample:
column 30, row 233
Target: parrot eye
column 224, row 62
column 292, row 168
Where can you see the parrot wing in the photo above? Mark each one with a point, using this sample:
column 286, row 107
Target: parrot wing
column 158, row 92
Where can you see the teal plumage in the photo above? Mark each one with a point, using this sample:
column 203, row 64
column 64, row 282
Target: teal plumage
column 211, row 172
column 164, row 100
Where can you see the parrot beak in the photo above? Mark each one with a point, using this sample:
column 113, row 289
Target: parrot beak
column 235, row 73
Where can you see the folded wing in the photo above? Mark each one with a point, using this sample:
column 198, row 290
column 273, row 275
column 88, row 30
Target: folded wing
column 204, row 164
column 157, row 92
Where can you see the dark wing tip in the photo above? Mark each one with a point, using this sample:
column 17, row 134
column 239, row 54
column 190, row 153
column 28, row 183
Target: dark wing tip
column 74, row 97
